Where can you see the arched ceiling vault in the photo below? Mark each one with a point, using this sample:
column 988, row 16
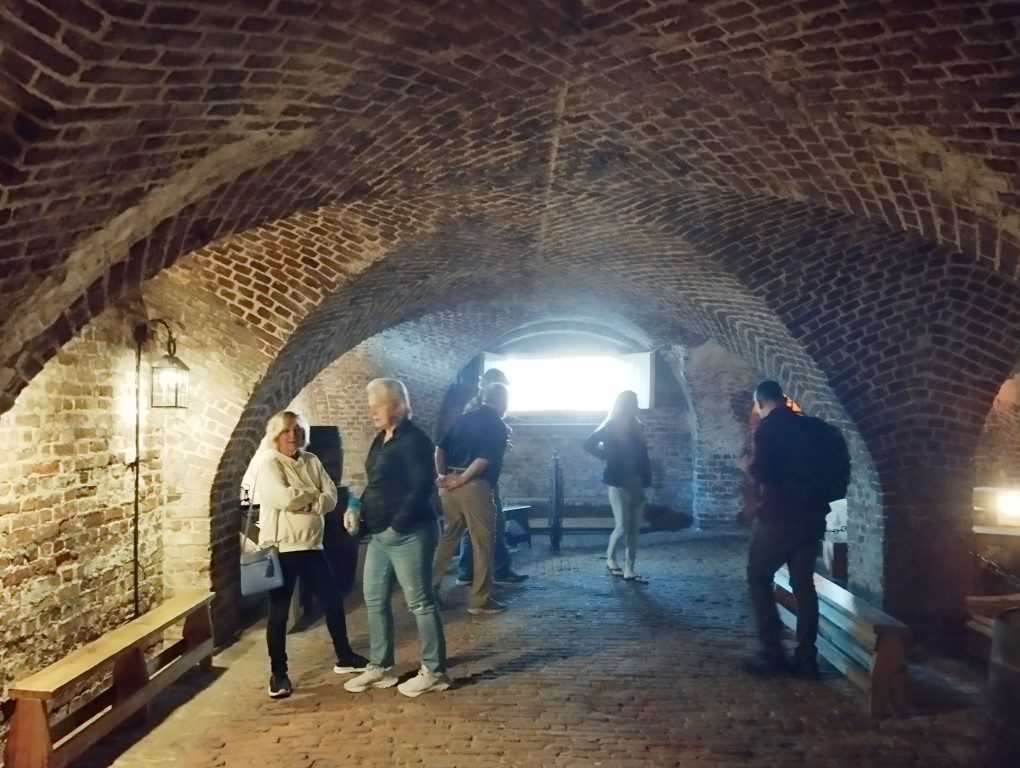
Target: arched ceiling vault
column 676, row 296
column 335, row 135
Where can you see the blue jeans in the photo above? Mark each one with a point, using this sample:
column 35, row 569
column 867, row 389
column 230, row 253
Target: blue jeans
column 501, row 563
column 404, row 558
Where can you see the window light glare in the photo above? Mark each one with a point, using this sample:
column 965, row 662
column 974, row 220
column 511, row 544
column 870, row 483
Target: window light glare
column 582, row 383
column 1007, row 503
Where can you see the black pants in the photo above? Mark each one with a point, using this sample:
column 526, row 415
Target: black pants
column 313, row 568
column 773, row 544
column 341, row 550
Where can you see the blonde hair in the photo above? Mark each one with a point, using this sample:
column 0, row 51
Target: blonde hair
column 280, row 423
column 392, row 390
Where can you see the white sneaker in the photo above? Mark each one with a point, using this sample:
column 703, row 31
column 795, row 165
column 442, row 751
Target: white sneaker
column 372, row 677
column 425, row 682
column 463, row 582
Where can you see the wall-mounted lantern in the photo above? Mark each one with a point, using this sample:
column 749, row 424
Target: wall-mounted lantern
column 170, row 376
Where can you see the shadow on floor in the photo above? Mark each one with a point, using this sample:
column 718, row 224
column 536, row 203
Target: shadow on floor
column 930, row 692
column 107, row 750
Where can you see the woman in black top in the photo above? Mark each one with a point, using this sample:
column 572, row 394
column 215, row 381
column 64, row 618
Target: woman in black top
column 620, row 442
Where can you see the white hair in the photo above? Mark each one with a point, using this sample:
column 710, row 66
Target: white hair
column 280, row 423
column 393, row 391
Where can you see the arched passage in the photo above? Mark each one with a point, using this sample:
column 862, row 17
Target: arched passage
column 828, row 194
column 676, row 309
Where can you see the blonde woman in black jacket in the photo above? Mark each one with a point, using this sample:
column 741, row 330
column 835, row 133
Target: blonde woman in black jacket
column 620, row 442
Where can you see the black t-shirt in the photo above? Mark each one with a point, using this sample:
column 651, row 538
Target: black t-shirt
column 478, row 434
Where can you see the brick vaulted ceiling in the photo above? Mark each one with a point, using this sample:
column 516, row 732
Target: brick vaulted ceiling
column 826, row 187
column 291, row 145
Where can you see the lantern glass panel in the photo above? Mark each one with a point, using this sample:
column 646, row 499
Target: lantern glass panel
column 170, row 378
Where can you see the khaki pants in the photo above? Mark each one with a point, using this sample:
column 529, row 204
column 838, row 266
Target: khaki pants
column 472, row 506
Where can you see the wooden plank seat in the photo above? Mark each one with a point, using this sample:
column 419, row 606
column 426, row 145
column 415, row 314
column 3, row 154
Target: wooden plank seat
column 36, row 742
column 518, row 513
column 981, row 613
column 862, row 642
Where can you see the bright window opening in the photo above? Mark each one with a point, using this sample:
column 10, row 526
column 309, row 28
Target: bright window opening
column 575, row 383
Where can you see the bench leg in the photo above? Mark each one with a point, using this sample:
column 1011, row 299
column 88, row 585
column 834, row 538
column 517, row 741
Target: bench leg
column 198, row 629
column 130, row 675
column 29, row 743
column 888, row 677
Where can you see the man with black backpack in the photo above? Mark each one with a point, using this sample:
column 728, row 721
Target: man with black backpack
column 801, row 464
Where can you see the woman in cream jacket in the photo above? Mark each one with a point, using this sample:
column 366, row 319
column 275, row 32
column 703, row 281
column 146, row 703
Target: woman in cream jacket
column 294, row 493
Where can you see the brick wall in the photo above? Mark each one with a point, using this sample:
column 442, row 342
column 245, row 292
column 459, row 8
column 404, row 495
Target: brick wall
column 720, row 385
column 526, row 471
column 66, row 500
column 997, row 458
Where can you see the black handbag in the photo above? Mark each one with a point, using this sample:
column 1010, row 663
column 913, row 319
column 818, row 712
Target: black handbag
column 260, row 570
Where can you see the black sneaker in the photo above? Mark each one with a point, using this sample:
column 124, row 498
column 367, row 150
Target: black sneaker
column 280, row 687
column 350, row 662
column 806, row 667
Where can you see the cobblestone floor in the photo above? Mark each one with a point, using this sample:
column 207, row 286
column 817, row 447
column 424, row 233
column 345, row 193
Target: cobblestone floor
column 584, row 670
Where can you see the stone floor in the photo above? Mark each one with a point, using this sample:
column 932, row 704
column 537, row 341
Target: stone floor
column 584, row 670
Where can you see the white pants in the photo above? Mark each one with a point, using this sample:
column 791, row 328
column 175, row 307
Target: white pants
column 628, row 508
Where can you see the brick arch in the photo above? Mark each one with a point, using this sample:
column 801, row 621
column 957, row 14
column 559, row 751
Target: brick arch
column 822, row 276
column 901, row 115
column 914, row 339
column 477, row 262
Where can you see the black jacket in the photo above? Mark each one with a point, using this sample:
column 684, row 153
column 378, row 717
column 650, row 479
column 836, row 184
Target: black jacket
column 776, row 448
column 401, row 478
column 620, row 454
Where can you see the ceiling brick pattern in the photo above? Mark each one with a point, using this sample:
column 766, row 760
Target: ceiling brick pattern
column 900, row 113
column 827, row 188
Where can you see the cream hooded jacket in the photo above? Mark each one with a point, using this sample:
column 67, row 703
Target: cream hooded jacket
column 293, row 495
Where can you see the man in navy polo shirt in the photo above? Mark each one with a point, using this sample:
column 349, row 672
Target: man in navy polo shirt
column 502, row 564
column 469, row 459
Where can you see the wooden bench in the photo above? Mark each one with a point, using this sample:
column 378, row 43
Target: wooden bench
column 865, row 644
column 35, row 742
column 981, row 613
column 519, row 513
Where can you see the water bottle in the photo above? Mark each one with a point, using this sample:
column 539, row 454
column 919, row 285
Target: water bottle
column 354, row 508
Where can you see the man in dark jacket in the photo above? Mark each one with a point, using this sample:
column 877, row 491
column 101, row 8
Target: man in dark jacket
column 468, row 461
column 789, row 526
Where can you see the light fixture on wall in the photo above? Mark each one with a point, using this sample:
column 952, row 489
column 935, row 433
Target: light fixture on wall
column 169, row 389
column 170, row 376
